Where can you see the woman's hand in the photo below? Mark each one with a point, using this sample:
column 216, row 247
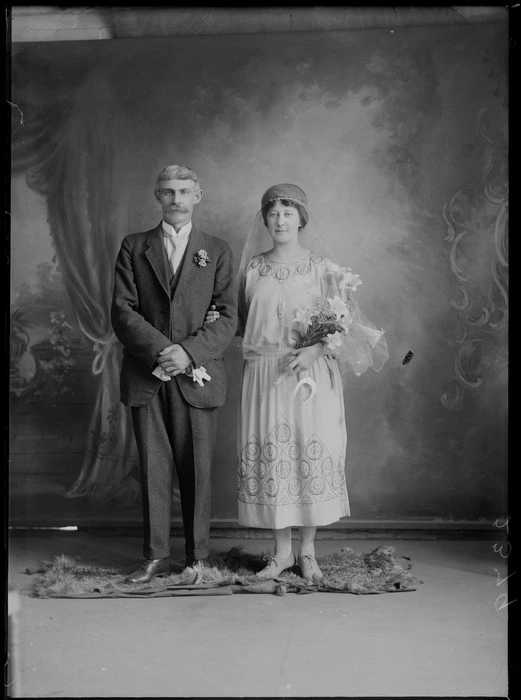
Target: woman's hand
column 212, row 314
column 303, row 358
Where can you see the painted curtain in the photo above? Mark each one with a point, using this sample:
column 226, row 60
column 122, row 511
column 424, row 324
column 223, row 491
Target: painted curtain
column 67, row 152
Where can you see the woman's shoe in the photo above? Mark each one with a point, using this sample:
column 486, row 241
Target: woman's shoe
column 275, row 566
column 309, row 567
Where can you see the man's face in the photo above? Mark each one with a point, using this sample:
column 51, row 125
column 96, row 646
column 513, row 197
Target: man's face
column 177, row 199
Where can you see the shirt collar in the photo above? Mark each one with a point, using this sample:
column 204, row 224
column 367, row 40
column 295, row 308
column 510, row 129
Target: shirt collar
column 183, row 231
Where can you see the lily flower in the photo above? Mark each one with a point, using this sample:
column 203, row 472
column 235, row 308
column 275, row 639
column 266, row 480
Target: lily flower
column 345, row 322
column 334, row 340
column 303, row 316
column 337, row 305
column 348, row 280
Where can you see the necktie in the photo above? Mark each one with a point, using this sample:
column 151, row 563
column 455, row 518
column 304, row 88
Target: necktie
column 176, row 250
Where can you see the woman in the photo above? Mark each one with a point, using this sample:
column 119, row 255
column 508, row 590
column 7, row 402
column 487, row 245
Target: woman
column 292, row 433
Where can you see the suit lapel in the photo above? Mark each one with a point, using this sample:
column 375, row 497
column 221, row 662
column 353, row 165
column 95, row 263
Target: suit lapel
column 155, row 253
column 188, row 267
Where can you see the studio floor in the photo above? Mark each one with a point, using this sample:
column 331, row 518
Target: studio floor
column 447, row 638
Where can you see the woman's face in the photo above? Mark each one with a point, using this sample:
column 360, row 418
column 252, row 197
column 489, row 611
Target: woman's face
column 283, row 223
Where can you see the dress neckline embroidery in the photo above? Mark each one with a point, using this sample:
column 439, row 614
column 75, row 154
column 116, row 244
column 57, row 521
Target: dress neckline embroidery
column 281, row 271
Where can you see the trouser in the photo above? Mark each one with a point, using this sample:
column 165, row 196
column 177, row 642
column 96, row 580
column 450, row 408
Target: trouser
column 171, row 434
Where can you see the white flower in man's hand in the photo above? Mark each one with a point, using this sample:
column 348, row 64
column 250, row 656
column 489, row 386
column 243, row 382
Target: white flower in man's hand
column 198, row 374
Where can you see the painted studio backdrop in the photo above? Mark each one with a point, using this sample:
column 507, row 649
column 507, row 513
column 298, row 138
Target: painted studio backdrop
column 398, row 139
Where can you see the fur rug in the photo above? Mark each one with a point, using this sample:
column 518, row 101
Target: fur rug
column 227, row 573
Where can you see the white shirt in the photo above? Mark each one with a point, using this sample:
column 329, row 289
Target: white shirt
column 175, row 243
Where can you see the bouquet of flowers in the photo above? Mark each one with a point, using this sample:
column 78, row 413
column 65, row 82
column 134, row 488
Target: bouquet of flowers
column 328, row 321
column 330, row 318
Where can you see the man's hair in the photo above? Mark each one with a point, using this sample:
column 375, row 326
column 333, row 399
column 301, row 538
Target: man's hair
column 178, row 172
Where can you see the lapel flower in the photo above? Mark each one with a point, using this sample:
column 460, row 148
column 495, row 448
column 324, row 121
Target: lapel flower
column 201, row 258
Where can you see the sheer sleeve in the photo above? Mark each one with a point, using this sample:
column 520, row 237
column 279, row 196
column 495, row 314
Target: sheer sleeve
column 363, row 345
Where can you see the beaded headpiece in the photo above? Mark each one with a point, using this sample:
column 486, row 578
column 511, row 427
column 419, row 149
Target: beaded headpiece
column 292, row 193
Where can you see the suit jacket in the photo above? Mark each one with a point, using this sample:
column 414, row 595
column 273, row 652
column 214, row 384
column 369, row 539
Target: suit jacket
column 148, row 317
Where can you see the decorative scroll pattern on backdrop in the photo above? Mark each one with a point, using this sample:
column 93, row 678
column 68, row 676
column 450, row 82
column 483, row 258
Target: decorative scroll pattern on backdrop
column 477, row 230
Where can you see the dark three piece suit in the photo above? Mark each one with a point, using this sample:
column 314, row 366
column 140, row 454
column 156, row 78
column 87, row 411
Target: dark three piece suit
column 174, row 421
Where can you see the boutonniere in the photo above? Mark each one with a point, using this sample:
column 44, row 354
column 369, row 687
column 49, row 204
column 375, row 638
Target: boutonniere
column 201, row 258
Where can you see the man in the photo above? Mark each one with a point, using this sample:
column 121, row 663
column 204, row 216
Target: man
column 173, row 374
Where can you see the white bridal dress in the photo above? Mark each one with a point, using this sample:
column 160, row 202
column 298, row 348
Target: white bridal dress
column 291, row 450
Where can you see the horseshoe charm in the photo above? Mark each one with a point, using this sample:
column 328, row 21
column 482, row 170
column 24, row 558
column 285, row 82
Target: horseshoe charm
column 312, row 385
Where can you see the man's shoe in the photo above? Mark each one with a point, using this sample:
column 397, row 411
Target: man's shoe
column 149, row 569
